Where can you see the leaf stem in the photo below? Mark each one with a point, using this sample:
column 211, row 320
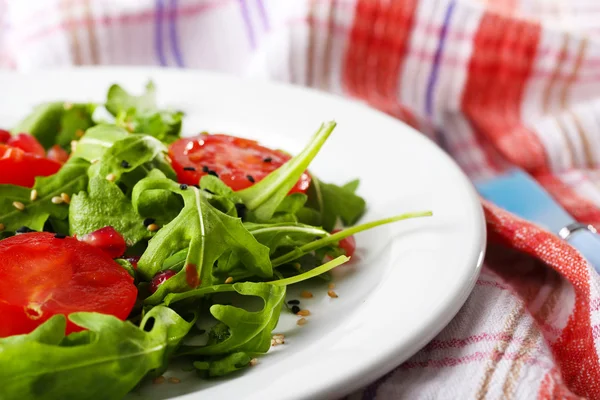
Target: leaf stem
column 312, row 273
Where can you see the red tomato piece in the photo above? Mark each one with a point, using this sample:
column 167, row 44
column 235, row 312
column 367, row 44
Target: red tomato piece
column 58, row 154
column 20, row 168
column 42, row 275
column 238, row 162
column 108, row 240
column 347, row 244
column 27, row 143
column 4, row 136
column 161, row 278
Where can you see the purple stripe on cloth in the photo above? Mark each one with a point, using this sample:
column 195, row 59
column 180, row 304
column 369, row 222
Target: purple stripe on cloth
column 263, row 14
column 173, row 36
column 248, row 22
column 158, row 33
column 436, row 60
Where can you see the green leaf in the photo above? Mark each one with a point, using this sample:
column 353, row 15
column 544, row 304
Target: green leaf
column 328, row 266
column 105, row 362
column 71, row 178
column 336, row 237
column 118, row 100
column 141, row 114
column 97, row 140
column 275, row 236
column 264, row 198
column 336, row 202
column 224, row 366
column 206, row 232
column 104, row 204
column 249, row 331
column 57, row 123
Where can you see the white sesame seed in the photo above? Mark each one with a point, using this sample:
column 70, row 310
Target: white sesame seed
column 73, row 146
column 57, row 200
column 2, row 227
column 33, row 195
column 18, row 205
column 331, row 285
column 174, row 380
column 229, row 280
column 111, row 177
column 158, row 380
column 332, row 294
column 303, row 313
column 95, row 160
column 302, row 321
column 66, row 198
column 152, row 227
column 253, row 362
column 79, row 133
column 306, row 294
column 67, row 106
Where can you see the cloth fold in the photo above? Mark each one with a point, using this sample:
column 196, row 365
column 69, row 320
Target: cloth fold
column 494, row 83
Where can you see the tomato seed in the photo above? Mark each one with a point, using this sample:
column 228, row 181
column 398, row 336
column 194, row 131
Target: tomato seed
column 189, row 168
column 268, row 159
column 250, row 178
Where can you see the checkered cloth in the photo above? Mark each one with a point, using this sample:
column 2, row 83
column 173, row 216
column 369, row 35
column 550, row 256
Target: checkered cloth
column 495, row 83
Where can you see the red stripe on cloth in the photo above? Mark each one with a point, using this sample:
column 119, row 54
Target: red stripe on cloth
column 376, row 49
column 574, row 350
column 503, row 55
column 580, row 208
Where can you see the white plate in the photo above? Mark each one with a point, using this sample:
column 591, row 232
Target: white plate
column 407, row 281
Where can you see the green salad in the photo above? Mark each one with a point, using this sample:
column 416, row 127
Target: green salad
column 120, row 240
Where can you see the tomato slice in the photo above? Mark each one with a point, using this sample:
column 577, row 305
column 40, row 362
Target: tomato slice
column 58, row 154
column 20, row 168
column 4, row 135
column 348, row 244
column 238, row 162
column 27, row 143
column 42, row 275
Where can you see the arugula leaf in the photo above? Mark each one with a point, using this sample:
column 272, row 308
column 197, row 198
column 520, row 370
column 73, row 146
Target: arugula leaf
column 264, row 198
column 328, row 266
column 223, row 366
column 57, row 123
column 104, row 204
column 105, row 362
column 117, row 99
column 206, row 232
column 336, row 237
column 97, row 140
column 248, row 331
column 141, row 114
column 335, row 202
column 275, row 236
column 70, row 179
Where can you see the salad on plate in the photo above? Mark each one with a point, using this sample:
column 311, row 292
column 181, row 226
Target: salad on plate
column 120, row 240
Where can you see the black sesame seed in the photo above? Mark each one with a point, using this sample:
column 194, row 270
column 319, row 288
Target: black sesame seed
column 125, row 164
column 24, row 229
column 213, row 173
column 294, row 302
column 268, row 159
column 205, row 168
column 183, row 186
column 241, row 210
column 60, row 235
column 250, row 178
column 295, row 309
column 149, row 221
column 189, row 168
column 209, row 191
column 197, row 186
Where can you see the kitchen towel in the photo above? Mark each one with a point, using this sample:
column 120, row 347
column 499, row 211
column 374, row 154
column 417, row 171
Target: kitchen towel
column 494, row 82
